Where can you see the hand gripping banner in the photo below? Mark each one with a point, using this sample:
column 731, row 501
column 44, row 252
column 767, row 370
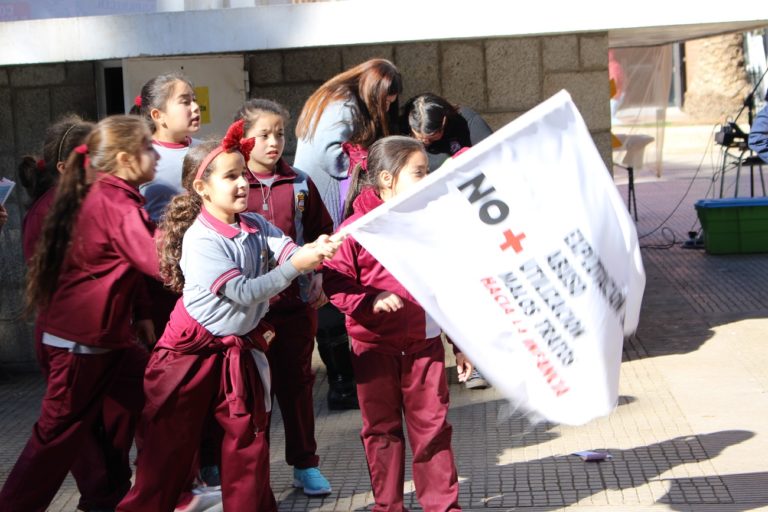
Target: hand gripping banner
column 523, row 252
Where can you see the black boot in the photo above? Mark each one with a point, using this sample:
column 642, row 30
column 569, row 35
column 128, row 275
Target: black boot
column 333, row 345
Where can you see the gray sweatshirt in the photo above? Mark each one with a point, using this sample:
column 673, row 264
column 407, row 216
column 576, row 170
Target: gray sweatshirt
column 322, row 158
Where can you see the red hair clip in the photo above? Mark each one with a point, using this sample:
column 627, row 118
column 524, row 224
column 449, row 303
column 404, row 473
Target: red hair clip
column 137, row 100
column 232, row 140
column 82, row 149
column 41, row 165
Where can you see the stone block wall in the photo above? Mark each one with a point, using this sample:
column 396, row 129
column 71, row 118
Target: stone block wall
column 31, row 97
column 500, row 77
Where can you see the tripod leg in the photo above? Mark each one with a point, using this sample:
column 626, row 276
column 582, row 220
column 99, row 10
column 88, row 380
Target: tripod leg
column 631, row 193
column 629, row 189
column 722, row 173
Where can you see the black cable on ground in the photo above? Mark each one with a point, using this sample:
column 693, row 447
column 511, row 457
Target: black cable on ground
column 666, row 233
column 679, row 203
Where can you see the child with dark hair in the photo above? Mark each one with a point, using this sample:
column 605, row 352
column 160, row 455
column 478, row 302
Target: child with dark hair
column 288, row 198
column 39, row 176
column 167, row 102
column 211, row 358
column 443, row 128
column 397, row 352
column 96, row 246
column 101, row 469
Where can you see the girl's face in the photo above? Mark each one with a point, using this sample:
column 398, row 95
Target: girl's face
column 413, row 171
column 139, row 169
column 181, row 116
column 225, row 192
column 148, row 159
column 269, row 133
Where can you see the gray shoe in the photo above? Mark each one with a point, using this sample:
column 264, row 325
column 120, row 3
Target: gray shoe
column 476, row 381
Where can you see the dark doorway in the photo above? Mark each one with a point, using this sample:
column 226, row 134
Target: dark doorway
column 113, row 88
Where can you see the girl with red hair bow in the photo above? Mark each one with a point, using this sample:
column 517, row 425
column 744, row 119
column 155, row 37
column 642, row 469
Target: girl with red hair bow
column 210, row 361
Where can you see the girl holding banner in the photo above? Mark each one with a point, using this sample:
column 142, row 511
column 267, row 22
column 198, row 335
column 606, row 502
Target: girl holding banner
column 397, row 353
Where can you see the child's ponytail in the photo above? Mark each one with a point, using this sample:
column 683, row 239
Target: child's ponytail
column 37, row 176
column 357, row 182
column 388, row 154
column 179, row 215
column 57, row 232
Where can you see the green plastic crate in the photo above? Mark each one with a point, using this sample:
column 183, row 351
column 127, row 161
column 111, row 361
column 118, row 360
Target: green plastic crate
column 731, row 226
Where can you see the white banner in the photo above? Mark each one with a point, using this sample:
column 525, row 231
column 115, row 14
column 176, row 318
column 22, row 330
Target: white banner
column 524, row 253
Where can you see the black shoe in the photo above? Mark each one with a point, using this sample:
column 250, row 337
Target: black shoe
column 342, row 396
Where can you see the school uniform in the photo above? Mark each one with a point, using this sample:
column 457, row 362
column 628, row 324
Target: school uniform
column 157, row 194
column 167, row 181
column 31, row 232
column 32, row 225
column 209, row 361
column 292, row 203
column 101, row 469
column 399, row 369
column 91, row 354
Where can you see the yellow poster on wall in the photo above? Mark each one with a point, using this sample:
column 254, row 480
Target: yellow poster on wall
column 201, row 95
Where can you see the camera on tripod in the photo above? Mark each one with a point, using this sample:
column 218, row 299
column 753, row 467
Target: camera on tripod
column 730, row 135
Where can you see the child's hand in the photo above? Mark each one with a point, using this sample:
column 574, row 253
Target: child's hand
column 317, row 297
column 463, row 367
column 3, row 216
column 328, row 245
column 307, row 257
column 310, row 255
column 387, row 302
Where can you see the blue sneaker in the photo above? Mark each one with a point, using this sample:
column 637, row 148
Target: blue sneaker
column 312, row 481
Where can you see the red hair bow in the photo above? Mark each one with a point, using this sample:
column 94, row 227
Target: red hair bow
column 41, row 165
column 232, row 140
column 137, row 100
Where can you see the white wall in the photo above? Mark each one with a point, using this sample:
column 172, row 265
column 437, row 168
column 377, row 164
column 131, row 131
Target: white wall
column 358, row 22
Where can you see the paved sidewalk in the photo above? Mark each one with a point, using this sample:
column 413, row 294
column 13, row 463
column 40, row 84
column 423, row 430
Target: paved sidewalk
column 691, row 429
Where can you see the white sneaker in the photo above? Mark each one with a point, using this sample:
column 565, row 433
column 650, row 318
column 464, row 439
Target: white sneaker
column 202, row 501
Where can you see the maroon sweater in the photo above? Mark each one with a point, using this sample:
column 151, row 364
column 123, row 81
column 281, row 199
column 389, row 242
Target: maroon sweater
column 353, row 279
column 293, row 205
column 32, row 226
column 112, row 247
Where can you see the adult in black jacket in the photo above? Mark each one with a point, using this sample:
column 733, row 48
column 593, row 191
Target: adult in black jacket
column 443, row 128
